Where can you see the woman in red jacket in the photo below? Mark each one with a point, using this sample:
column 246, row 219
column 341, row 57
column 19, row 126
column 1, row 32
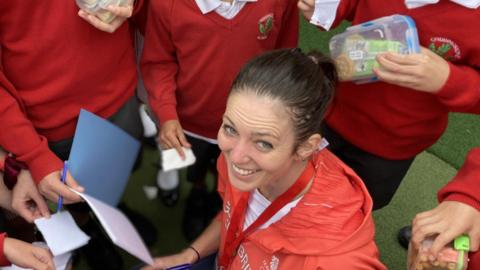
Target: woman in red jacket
column 287, row 202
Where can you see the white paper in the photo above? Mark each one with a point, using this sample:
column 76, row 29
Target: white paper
column 61, row 233
column 118, row 228
column 171, row 159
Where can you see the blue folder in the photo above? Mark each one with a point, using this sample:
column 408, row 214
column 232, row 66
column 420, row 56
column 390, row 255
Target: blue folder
column 102, row 157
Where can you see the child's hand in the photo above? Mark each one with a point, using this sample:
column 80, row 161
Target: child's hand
column 51, row 187
column 26, row 199
column 27, row 255
column 171, row 136
column 449, row 220
column 426, row 71
column 307, row 7
column 122, row 13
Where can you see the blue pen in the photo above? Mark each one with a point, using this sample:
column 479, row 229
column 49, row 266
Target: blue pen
column 180, row 267
column 63, row 177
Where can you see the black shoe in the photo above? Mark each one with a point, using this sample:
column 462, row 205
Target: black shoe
column 194, row 218
column 404, row 236
column 169, row 197
column 145, row 228
column 100, row 252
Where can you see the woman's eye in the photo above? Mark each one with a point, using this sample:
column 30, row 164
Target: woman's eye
column 264, row 146
column 229, row 130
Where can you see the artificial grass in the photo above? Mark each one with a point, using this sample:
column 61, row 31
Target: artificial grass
column 462, row 134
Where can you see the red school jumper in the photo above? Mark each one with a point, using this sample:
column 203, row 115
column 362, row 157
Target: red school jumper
column 398, row 123
column 190, row 59
column 53, row 64
column 362, row 115
column 323, row 231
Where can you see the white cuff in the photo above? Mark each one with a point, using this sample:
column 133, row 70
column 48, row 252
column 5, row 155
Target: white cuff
column 325, row 13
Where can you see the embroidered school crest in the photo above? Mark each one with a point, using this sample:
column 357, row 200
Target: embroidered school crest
column 265, row 26
column 445, row 47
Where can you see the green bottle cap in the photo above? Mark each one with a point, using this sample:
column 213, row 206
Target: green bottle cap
column 462, row 243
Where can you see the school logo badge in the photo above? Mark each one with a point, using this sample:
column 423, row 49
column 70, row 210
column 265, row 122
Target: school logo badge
column 265, row 26
column 446, row 48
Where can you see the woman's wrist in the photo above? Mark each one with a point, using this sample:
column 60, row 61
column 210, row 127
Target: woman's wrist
column 192, row 254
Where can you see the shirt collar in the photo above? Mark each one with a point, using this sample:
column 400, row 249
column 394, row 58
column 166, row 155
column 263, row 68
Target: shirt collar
column 473, row 4
column 207, row 6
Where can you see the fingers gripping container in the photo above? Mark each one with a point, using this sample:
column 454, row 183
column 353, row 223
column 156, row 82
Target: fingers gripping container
column 98, row 8
column 354, row 50
column 452, row 257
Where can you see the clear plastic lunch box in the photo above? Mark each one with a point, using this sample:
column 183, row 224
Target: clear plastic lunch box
column 98, row 8
column 354, row 50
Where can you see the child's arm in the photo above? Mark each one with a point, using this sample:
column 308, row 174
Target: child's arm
column 159, row 69
column 24, row 255
column 19, row 137
column 455, row 86
column 459, row 210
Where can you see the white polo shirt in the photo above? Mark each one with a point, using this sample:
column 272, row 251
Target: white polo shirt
column 224, row 9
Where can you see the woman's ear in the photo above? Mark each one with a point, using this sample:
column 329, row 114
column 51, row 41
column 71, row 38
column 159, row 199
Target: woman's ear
column 308, row 147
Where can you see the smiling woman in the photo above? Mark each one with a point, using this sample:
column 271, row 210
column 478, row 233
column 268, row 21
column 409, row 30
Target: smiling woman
column 288, row 203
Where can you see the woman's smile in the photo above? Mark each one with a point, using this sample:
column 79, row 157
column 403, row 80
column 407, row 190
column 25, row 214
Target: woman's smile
column 243, row 172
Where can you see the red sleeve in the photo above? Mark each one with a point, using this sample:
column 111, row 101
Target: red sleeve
column 461, row 92
column 18, row 136
column 159, row 64
column 3, row 260
column 288, row 36
column 465, row 186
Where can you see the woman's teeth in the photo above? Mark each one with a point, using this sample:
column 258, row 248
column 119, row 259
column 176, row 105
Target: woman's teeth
column 243, row 172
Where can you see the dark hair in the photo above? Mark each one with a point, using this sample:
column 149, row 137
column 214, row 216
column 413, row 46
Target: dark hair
column 305, row 83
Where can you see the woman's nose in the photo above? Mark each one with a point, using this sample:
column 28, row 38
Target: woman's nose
column 239, row 153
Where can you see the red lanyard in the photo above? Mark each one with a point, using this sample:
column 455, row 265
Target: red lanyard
column 235, row 235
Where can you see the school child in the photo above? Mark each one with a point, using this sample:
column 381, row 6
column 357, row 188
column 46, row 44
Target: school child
column 192, row 51
column 57, row 59
column 379, row 128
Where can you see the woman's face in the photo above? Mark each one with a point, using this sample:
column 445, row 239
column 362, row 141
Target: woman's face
column 257, row 140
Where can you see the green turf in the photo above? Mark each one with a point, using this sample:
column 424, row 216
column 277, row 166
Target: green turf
column 462, row 134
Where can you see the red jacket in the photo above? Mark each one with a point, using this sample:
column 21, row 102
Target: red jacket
column 53, row 64
column 190, row 59
column 398, row 123
column 331, row 227
column 3, row 260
